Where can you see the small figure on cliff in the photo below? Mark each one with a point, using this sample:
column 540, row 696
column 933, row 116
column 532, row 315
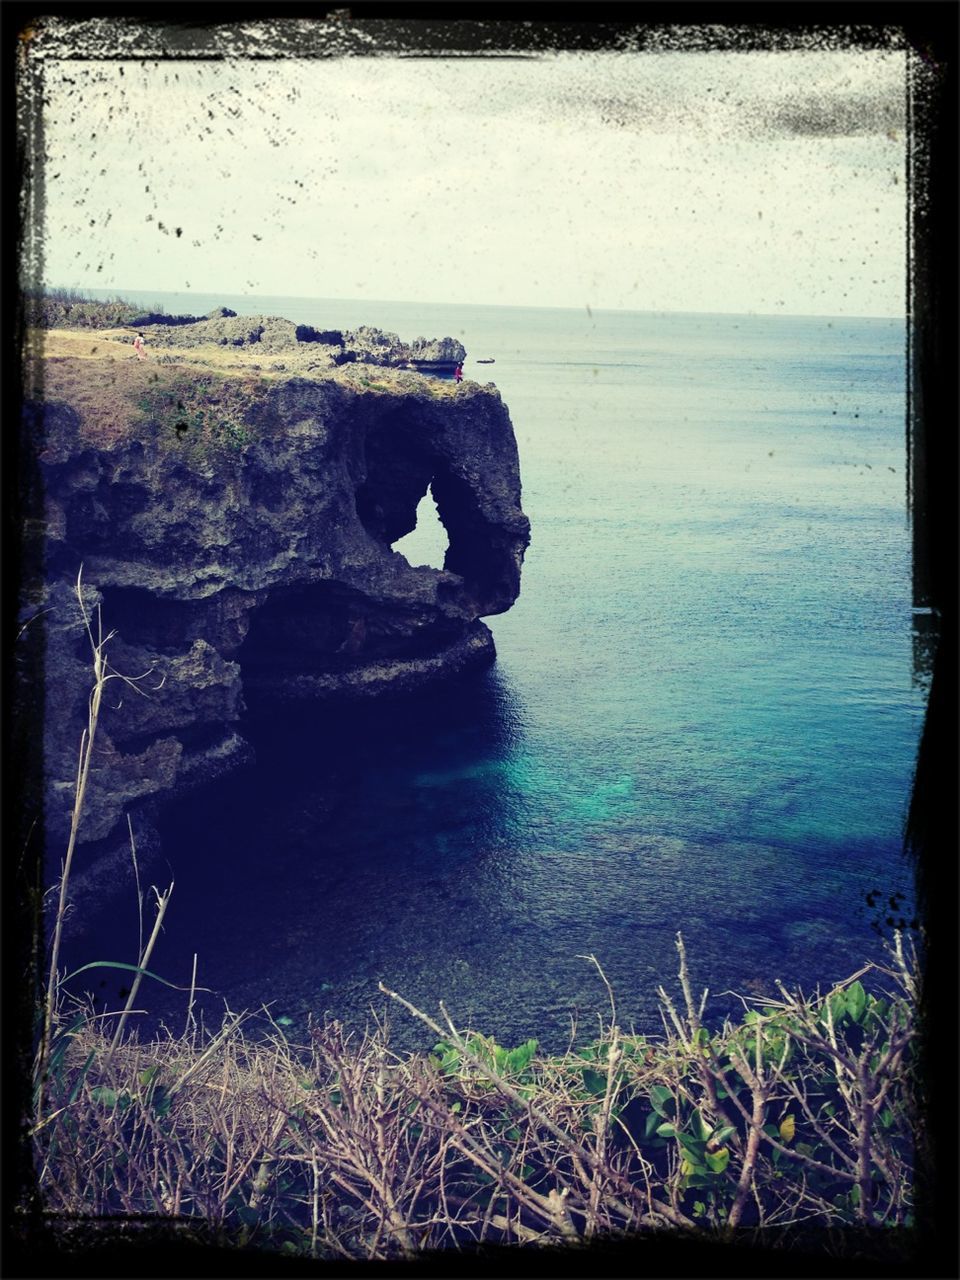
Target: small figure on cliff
column 138, row 347
column 458, row 373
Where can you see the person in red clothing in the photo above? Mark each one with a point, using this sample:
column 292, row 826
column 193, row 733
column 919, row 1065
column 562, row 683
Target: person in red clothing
column 139, row 348
column 458, row 373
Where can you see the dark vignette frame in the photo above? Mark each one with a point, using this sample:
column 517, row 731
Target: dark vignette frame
column 928, row 27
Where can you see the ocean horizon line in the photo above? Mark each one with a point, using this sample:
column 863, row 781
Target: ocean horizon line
column 119, row 291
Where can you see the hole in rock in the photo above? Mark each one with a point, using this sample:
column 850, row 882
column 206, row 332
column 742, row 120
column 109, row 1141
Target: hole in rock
column 427, row 543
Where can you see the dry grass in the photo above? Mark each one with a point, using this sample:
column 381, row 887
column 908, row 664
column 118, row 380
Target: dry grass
column 97, row 374
column 114, row 346
column 340, row 1148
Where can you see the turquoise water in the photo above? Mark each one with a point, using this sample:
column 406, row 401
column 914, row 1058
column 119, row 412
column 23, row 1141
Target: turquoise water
column 704, row 713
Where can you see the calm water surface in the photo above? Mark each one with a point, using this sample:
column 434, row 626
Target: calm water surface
column 704, row 714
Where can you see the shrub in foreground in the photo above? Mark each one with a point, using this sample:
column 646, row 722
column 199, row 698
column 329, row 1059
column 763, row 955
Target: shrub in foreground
column 798, row 1115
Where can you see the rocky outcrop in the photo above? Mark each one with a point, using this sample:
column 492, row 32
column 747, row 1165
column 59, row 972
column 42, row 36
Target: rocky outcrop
column 274, row 334
column 236, row 533
column 428, row 354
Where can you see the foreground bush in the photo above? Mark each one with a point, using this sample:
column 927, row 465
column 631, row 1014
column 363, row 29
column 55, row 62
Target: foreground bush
column 797, row 1116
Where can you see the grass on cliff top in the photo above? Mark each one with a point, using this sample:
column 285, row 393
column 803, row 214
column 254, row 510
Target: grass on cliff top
column 194, row 401
column 115, row 396
column 63, row 324
column 114, row 347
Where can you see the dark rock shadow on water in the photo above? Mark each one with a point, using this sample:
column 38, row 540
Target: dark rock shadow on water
column 336, row 860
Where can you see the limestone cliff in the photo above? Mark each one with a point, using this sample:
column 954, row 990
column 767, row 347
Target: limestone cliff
column 235, row 526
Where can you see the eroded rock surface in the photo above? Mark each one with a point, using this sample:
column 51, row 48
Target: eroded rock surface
column 273, row 335
column 236, row 532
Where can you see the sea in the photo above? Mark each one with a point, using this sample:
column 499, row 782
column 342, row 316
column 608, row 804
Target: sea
column 702, row 722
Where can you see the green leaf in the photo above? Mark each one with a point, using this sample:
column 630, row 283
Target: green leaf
column 667, row 1130
column 660, row 1098
column 856, row 1001
column 838, row 1005
column 519, row 1059
column 75, row 1092
column 61, row 1044
column 698, row 1128
column 110, row 1097
column 594, row 1081
column 879, row 1008
column 449, row 1059
column 694, row 1147
column 160, row 1100
column 722, row 1133
column 118, row 964
column 717, row 1161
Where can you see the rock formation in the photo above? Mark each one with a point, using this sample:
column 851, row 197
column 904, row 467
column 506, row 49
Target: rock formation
column 236, row 532
column 269, row 334
column 274, row 334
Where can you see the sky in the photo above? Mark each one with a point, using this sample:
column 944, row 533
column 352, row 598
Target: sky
column 764, row 182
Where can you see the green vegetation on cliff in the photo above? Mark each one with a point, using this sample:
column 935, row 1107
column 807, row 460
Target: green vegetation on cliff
column 195, row 411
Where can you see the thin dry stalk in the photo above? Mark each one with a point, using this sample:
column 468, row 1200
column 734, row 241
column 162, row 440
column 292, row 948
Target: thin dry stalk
column 83, row 772
column 163, row 901
column 136, row 877
column 102, row 674
column 190, row 1024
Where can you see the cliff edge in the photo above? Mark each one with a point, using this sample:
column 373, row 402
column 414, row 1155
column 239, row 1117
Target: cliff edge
column 235, row 523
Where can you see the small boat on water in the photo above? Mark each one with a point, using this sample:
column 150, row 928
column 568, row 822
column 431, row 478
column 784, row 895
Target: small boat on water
column 486, row 362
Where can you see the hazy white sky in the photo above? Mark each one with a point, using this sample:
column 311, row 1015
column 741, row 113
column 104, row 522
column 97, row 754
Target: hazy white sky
column 765, row 182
